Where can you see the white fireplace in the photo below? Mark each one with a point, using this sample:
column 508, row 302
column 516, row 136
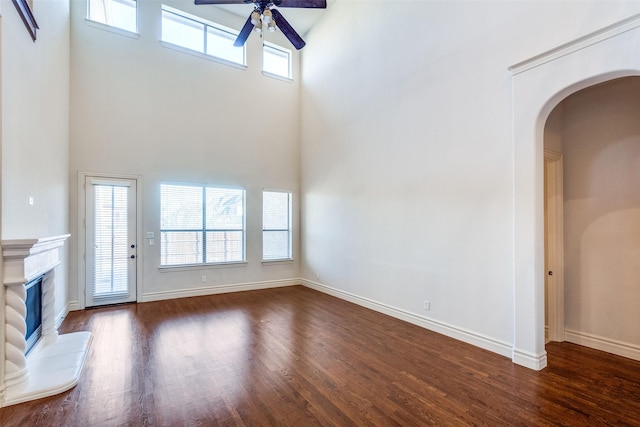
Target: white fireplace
column 55, row 362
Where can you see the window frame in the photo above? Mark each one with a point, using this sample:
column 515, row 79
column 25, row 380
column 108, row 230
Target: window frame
column 113, row 28
column 289, row 229
column 205, row 35
column 268, row 45
column 204, row 229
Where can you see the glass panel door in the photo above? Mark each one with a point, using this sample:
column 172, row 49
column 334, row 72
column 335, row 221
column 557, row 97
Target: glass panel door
column 111, row 241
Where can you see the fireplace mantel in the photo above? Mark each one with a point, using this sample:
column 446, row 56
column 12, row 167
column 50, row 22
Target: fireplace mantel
column 55, row 362
column 26, row 259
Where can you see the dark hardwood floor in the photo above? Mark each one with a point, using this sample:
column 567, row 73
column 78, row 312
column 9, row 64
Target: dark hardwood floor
column 296, row 357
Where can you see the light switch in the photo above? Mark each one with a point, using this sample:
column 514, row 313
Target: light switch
column 152, row 242
column 150, row 235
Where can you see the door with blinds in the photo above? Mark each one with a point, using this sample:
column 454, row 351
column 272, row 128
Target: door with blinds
column 111, row 247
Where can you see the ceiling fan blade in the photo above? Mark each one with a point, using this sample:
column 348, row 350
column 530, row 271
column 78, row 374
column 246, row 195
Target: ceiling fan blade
column 222, row 1
column 320, row 4
column 287, row 30
column 245, row 32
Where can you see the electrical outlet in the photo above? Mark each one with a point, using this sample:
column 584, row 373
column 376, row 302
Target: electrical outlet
column 427, row 305
column 204, row 279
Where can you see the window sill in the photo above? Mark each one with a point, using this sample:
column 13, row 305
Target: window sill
column 277, row 261
column 202, row 55
column 112, row 29
column 188, row 267
column 277, row 77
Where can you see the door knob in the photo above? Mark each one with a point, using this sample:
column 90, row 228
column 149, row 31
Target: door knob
column 132, row 256
column 133, row 246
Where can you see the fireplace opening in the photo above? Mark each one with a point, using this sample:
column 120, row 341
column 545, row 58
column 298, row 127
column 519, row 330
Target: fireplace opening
column 34, row 312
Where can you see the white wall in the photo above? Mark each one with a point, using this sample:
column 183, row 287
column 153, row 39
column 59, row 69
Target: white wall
column 408, row 180
column 140, row 108
column 34, row 134
column 601, row 141
column 35, row 128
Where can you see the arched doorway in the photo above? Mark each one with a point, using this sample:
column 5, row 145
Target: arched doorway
column 597, row 132
column 539, row 84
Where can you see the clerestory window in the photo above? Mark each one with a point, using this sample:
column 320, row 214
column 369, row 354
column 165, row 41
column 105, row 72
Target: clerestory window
column 122, row 14
column 201, row 36
column 276, row 60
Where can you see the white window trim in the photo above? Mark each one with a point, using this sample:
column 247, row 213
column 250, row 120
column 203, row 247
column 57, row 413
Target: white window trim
column 111, row 29
column 196, row 18
column 277, row 261
column 209, row 265
column 197, row 53
column 201, row 55
column 277, row 76
column 290, row 259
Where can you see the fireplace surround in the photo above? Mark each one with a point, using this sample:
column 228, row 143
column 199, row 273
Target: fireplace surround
column 55, row 362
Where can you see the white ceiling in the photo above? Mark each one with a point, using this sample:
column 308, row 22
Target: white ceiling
column 300, row 19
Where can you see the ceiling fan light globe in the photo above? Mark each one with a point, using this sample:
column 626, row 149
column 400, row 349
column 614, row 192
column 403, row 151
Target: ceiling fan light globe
column 267, row 17
column 255, row 17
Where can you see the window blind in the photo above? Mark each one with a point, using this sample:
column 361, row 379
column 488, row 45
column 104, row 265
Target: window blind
column 111, row 258
column 201, row 224
column 276, row 225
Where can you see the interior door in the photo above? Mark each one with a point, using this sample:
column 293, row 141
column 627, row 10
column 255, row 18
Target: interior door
column 554, row 247
column 111, row 247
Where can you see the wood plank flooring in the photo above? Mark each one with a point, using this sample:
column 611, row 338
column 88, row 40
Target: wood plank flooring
column 297, row 357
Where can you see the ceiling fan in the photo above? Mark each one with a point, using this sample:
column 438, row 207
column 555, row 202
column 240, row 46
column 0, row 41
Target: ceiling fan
column 264, row 11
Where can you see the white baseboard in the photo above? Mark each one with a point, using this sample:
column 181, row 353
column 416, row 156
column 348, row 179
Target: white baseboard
column 469, row 337
column 529, row 360
column 631, row 351
column 62, row 315
column 222, row 289
column 75, row 306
